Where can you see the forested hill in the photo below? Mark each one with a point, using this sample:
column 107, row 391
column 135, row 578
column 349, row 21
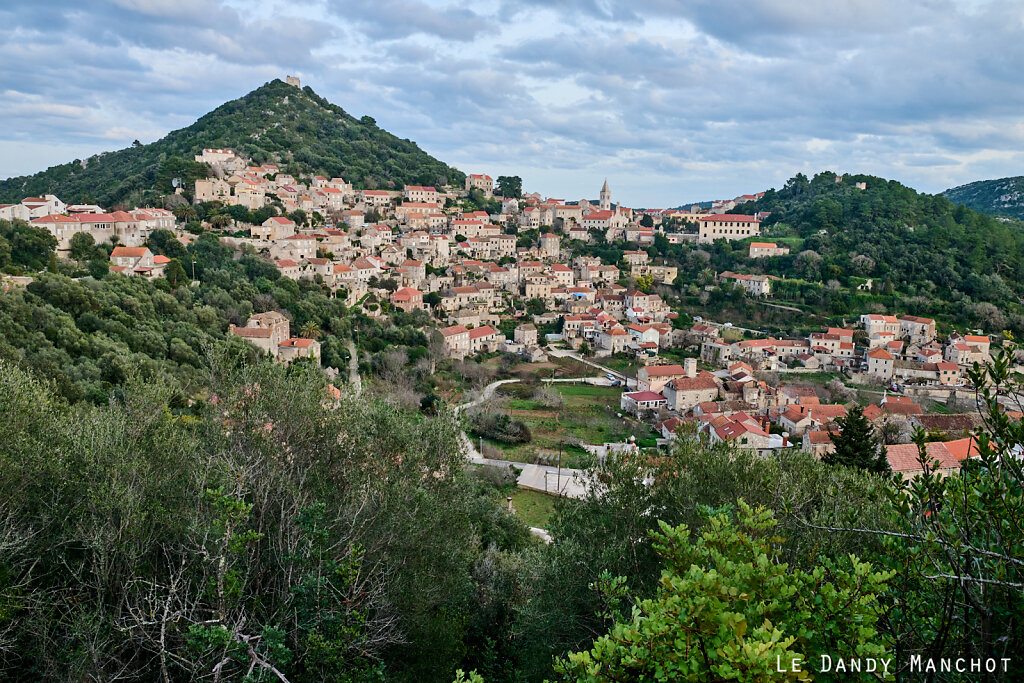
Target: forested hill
column 1000, row 197
column 274, row 123
column 914, row 245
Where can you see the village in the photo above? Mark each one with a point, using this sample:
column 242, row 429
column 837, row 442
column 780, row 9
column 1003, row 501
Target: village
column 522, row 281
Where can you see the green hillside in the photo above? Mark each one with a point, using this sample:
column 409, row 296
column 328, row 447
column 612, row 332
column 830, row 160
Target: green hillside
column 922, row 252
column 999, row 197
column 274, row 123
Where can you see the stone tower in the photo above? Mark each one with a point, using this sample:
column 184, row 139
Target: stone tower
column 293, row 80
column 606, row 197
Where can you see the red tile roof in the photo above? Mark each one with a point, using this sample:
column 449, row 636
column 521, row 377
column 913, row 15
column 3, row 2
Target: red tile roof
column 128, row 252
column 949, row 454
column 484, row 331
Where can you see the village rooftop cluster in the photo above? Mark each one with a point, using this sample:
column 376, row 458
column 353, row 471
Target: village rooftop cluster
column 472, row 271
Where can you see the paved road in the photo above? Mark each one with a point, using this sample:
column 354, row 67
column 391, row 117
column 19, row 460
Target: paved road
column 543, row 478
column 486, row 393
column 354, row 380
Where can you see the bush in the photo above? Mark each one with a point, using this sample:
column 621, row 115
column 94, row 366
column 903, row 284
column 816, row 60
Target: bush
column 499, row 427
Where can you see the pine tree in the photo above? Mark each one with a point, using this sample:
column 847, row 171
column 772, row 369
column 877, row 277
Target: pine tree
column 856, row 445
column 174, row 272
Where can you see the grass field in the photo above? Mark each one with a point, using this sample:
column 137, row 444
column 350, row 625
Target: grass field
column 587, row 414
column 627, row 366
column 533, row 507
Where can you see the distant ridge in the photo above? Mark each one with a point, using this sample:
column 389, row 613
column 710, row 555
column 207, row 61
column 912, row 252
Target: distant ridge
column 999, row 197
column 277, row 122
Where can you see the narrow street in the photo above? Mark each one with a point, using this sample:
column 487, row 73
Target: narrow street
column 354, row 380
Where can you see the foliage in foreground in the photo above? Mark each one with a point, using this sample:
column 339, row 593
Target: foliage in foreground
column 265, row 532
column 727, row 608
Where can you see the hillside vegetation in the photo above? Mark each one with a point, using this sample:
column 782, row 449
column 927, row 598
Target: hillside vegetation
column 935, row 256
column 999, row 197
column 274, row 123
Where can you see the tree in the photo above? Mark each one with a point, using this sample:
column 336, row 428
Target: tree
column 30, row 246
column 728, row 608
column 310, row 330
column 99, row 267
column 82, row 245
column 510, row 186
column 893, row 430
column 856, row 444
column 175, row 274
column 838, row 391
column 646, row 221
column 184, row 212
column 221, row 220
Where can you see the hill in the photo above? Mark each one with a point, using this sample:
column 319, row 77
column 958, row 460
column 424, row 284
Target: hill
column 277, row 122
column 922, row 253
column 1000, row 197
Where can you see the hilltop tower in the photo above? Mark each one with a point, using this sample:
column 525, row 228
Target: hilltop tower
column 606, row 197
column 293, row 80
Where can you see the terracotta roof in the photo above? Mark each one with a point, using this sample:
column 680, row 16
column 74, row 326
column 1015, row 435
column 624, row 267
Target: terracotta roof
column 128, row 252
column 406, row 294
column 298, row 342
column 484, row 331
column 873, row 412
column 703, row 380
column 827, row 411
column 664, row 370
column 949, row 454
column 958, row 422
column 819, row 436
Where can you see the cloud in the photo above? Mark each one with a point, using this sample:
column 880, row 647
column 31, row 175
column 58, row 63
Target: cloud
column 683, row 101
column 396, row 19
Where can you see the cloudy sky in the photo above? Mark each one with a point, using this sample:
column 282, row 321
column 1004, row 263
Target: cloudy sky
column 673, row 100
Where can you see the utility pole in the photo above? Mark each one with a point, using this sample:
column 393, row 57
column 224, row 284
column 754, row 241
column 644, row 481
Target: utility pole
column 559, row 479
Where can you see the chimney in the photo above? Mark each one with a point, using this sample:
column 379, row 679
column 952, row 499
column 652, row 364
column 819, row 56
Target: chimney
column 690, row 367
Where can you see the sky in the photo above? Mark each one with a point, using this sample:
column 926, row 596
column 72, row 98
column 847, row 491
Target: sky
column 672, row 101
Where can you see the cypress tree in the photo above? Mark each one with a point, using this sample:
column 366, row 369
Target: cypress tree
column 856, row 445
